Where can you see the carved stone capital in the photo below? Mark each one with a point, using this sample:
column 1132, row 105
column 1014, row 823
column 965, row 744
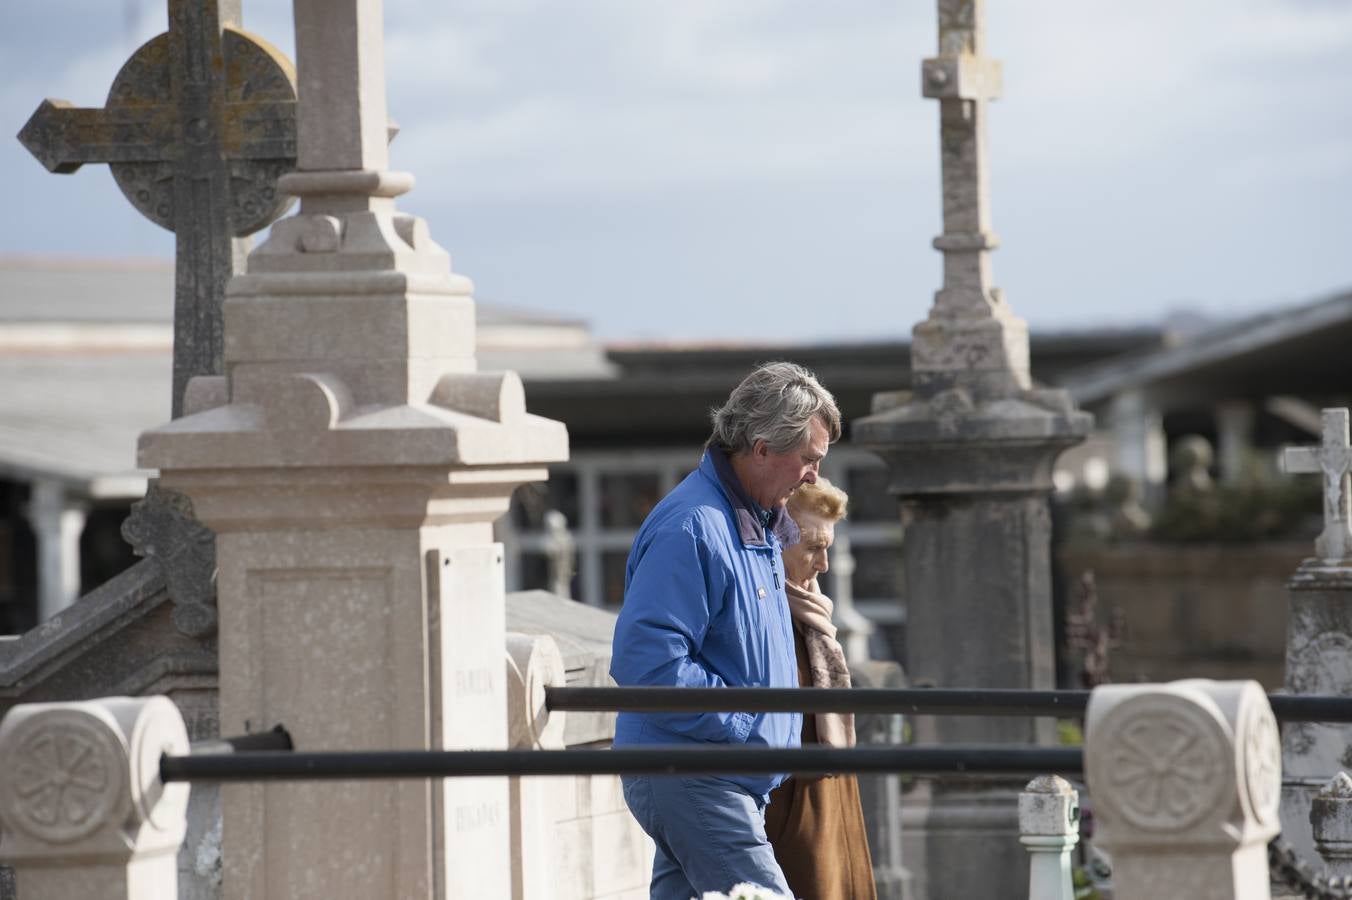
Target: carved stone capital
column 82, row 782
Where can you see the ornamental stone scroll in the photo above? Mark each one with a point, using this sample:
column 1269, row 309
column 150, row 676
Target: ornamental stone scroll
column 82, row 806
column 1186, row 781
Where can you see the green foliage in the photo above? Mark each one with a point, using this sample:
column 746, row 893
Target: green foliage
column 1083, row 886
column 1069, row 733
column 1239, row 513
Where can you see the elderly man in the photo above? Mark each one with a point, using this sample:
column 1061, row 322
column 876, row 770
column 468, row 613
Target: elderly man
column 704, row 606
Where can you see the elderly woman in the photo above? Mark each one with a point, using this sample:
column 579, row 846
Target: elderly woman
column 816, row 825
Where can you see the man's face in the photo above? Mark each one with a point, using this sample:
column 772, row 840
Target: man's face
column 778, row 474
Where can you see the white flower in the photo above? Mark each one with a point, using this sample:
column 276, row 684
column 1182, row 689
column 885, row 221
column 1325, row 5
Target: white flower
column 744, row 891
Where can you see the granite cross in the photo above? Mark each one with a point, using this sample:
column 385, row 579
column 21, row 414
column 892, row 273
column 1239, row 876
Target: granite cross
column 970, row 331
column 199, row 124
column 1333, row 459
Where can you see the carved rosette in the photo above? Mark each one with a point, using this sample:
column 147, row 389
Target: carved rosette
column 1161, row 763
column 81, row 782
column 65, row 776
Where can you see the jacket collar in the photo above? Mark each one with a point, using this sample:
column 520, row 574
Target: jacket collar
column 746, row 511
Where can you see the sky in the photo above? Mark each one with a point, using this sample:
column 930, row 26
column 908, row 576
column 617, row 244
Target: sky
column 767, row 170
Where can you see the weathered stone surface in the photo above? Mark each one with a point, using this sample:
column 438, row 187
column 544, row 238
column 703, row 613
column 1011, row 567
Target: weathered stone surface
column 1332, row 460
column 1331, row 824
column 213, row 108
column 162, row 528
column 83, row 809
column 1186, row 781
column 1049, row 826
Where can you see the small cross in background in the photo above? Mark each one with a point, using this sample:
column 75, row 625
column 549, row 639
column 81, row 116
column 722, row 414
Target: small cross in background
column 1333, row 459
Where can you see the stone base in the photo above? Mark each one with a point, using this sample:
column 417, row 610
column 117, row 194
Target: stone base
column 962, row 843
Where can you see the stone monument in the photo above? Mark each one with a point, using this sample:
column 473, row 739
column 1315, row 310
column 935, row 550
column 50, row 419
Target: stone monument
column 1186, row 780
column 970, row 451
column 351, row 461
column 83, row 808
column 198, row 126
column 1319, row 632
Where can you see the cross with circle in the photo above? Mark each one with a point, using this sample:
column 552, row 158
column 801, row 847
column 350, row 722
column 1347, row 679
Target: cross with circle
column 199, row 124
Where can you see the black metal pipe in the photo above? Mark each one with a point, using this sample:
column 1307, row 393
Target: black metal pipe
column 290, row 766
column 278, row 738
column 912, row 701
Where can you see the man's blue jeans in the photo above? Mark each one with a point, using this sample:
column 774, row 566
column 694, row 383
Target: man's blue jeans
column 710, row 835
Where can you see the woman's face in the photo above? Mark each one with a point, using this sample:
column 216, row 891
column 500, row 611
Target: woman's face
column 805, row 560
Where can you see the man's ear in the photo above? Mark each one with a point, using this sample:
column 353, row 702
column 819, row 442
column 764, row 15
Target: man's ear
column 761, row 449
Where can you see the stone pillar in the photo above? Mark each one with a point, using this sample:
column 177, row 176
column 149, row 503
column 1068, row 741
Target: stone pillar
column 351, row 462
column 83, row 810
column 970, row 451
column 1331, row 825
column 1186, row 780
column 533, row 664
column 1049, row 826
column 1234, row 438
column 57, row 520
column 1142, row 447
column 1319, row 631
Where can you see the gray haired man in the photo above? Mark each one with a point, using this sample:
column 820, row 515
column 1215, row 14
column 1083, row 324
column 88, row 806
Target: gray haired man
column 704, row 606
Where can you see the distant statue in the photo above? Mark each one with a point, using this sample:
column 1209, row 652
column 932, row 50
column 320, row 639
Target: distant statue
column 1127, row 518
column 1191, row 462
column 561, row 552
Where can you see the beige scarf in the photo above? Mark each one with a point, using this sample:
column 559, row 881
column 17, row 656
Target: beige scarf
column 825, row 658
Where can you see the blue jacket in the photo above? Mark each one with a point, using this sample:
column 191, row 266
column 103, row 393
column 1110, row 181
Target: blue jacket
column 704, row 606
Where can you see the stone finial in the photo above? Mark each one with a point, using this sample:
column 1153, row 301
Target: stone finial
column 1049, row 827
column 1332, row 459
column 1048, row 806
column 83, row 809
column 1193, row 764
column 1331, row 820
column 533, row 664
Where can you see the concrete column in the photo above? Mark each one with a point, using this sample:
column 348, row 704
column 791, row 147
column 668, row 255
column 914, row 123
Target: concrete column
column 1234, row 437
column 1049, row 827
column 57, row 520
column 1142, row 448
column 83, row 810
column 352, row 462
column 1186, row 779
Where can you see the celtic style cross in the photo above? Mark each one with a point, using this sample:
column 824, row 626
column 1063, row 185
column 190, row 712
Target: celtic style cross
column 199, row 124
column 1332, row 459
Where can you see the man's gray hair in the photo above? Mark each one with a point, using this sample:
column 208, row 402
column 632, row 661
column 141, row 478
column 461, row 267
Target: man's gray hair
column 776, row 403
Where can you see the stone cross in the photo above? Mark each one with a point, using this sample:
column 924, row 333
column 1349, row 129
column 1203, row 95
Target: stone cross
column 198, row 126
column 970, row 333
column 1333, row 459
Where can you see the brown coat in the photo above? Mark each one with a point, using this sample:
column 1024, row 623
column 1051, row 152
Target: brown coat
column 816, row 826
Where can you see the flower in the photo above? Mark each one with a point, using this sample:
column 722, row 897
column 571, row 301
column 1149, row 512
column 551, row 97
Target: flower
column 744, row 891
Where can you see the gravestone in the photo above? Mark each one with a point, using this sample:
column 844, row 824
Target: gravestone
column 970, row 451
column 351, row 463
column 1319, row 633
column 198, row 126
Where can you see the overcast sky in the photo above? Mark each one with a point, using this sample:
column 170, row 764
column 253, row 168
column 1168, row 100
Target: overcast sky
column 751, row 170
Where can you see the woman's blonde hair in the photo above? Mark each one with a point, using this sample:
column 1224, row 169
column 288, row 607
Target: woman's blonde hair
column 821, row 499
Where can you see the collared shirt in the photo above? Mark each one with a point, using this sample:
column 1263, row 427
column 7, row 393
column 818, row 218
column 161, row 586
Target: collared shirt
column 705, row 607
